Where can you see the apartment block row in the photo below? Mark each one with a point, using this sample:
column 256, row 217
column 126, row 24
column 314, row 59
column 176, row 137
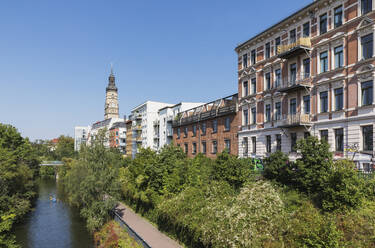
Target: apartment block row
column 310, row 74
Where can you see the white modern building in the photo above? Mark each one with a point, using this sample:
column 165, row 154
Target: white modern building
column 144, row 116
column 163, row 131
column 99, row 125
column 80, row 136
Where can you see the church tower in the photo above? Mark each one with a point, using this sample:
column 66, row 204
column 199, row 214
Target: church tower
column 111, row 99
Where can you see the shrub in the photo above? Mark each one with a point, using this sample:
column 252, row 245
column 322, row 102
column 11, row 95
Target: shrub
column 277, row 167
column 232, row 169
column 343, row 189
column 312, row 169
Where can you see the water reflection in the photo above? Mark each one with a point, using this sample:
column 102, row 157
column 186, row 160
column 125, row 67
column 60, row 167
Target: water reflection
column 52, row 224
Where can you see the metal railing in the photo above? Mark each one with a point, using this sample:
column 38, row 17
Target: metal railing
column 295, row 119
column 295, row 79
column 130, row 230
column 305, row 42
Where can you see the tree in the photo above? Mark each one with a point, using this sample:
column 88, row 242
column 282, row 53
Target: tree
column 64, row 148
column 18, row 163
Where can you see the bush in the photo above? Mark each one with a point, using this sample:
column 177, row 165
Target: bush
column 232, row 169
column 343, row 189
column 277, row 167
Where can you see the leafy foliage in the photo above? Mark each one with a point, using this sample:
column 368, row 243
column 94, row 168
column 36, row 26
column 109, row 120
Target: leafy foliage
column 18, row 163
column 91, row 181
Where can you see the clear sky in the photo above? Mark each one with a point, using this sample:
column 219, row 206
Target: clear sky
column 55, row 55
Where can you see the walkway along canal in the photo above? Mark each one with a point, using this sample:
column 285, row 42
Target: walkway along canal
column 53, row 224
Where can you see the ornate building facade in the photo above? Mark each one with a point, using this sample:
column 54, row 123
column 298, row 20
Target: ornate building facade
column 311, row 74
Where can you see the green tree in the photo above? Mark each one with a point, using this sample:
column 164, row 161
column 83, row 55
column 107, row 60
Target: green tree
column 64, row 148
column 18, row 163
column 91, row 181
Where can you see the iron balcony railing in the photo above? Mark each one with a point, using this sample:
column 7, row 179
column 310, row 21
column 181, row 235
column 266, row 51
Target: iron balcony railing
column 295, row 119
column 294, row 79
column 301, row 42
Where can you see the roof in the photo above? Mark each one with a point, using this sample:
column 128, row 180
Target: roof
column 275, row 25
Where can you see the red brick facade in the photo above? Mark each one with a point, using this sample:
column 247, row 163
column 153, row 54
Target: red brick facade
column 208, row 117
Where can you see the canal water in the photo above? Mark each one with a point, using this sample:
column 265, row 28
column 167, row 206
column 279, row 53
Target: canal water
column 52, row 224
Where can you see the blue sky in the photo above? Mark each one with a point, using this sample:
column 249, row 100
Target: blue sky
column 55, row 55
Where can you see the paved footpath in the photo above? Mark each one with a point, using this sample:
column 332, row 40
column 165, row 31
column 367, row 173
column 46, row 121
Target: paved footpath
column 144, row 229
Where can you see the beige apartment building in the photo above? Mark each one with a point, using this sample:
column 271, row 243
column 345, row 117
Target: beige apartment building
column 310, row 74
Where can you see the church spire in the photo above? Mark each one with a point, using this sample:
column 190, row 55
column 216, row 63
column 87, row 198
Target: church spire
column 111, row 81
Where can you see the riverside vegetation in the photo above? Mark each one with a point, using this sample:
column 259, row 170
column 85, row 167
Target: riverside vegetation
column 312, row 202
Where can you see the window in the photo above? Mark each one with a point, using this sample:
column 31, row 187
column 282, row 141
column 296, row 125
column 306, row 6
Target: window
column 339, row 99
column 186, row 148
column 277, row 44
column 277, row 77
column 116, row 133
column 245, row 117
column 244, row 60
column 227, row 124
column 194, row 150
column 214, row 147
column 245, row 88
column 306, row 135
column 324, row 135
column 194, row 130
column 268, row 50
column 214, row 126
column 254, row 144
column 366, row 6
column 245, row 145
column 339, row 140
column 253, row 115
column 323, row 23
column 293, row 73
column 293, row 142
column 338, row 17
column 278, row 142
column 306, row 68
column 227, row 145
column 268, row 143
column 367, row 46
column 367, row 168
column 185, row 132
column 306, row 104
column 268, row 112
column 292, row 36
column 306, row 29
column 368, row 139
column 293, row 106
column 178, row 133
column 253, row 56
column 253, row 86
column 268, row 81
column 204, row 147
column 117, row 141
column 367, row 93
column 278, row 110
column 324, row 102
column 339, row 57
column 324, row 62
column 204, row 128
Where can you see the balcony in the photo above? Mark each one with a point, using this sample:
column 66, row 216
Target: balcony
column 156, row 123
column 138, row 117
column 138, row 139
column 295, row 120
column 169, row 132
column 295, row 82
column 137, row 127
column 295, row 48
column 156, row 136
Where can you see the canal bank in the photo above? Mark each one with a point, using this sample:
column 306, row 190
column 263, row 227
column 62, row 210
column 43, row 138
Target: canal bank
column 52, row 224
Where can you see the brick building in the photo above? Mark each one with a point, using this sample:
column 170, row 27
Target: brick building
column 310, row 74
column 117, row 136
column 208, row 128
column 129, row 138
